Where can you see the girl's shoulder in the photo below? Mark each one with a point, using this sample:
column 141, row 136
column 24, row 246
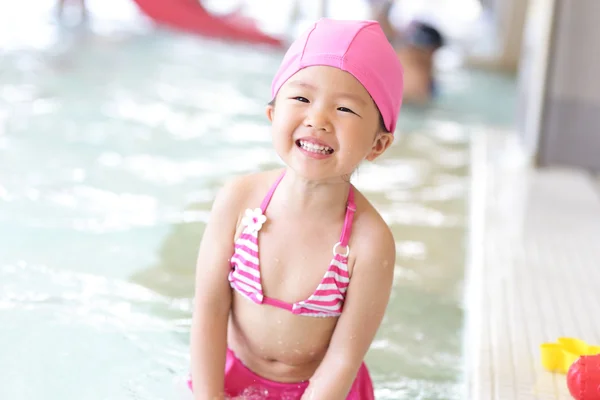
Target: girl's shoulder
column 246, row 186
column 262, row 178
column 239, row 194
column 369, row 228
column 248, row 191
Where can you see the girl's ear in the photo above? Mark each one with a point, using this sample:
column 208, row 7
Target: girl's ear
column 270, row 110
column 380, row 145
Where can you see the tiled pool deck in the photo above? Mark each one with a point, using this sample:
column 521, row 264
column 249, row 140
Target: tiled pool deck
column 533, row 272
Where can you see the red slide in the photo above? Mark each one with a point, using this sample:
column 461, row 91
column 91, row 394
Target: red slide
column 191, row 16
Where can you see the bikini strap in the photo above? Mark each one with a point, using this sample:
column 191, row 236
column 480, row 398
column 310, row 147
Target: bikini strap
column 267, row 199
column 347, row 229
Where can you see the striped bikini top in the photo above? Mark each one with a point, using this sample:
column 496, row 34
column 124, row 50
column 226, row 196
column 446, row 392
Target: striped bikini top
column 244, row 277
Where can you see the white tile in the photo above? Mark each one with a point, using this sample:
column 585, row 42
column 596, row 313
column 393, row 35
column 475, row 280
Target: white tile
column 533, row 270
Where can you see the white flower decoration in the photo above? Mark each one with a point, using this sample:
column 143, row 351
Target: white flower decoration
column 254, row 219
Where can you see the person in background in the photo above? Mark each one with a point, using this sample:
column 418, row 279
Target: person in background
column 416, row 49
column 60, row 7
column 416, row 46
column 380, row 11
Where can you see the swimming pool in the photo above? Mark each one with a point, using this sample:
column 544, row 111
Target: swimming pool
column 111, row 149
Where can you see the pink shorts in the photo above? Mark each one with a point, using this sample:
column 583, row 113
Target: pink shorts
column 240, row 381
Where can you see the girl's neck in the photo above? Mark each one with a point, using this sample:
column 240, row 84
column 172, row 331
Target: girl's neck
column 328, row 197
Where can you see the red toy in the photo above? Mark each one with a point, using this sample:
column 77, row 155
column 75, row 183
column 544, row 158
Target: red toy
column 583, row 378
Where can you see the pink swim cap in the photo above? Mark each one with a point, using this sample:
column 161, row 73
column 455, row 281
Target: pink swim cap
column 357, row 47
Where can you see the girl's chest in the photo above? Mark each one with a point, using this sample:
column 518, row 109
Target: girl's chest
column 293, row 260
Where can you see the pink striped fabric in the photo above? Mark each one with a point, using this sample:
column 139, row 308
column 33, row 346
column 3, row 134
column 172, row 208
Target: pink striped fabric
column 328, row 298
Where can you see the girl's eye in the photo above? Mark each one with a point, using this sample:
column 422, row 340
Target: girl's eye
column 345, row 109
column 302, row 99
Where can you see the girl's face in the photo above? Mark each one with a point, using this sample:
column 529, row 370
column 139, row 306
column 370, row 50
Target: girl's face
column 325, row 123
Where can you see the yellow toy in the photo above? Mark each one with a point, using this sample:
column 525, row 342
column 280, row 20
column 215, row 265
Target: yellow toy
column 559, row 356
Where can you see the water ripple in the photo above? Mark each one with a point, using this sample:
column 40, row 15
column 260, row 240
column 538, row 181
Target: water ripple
column 89, row 299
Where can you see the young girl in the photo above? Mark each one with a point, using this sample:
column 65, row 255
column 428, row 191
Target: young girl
column 276, row 313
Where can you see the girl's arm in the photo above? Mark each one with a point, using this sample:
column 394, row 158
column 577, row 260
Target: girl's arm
column 212, row 299
column 366, row 300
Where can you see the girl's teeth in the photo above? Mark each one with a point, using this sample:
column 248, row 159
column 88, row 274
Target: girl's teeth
column 315, row 148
